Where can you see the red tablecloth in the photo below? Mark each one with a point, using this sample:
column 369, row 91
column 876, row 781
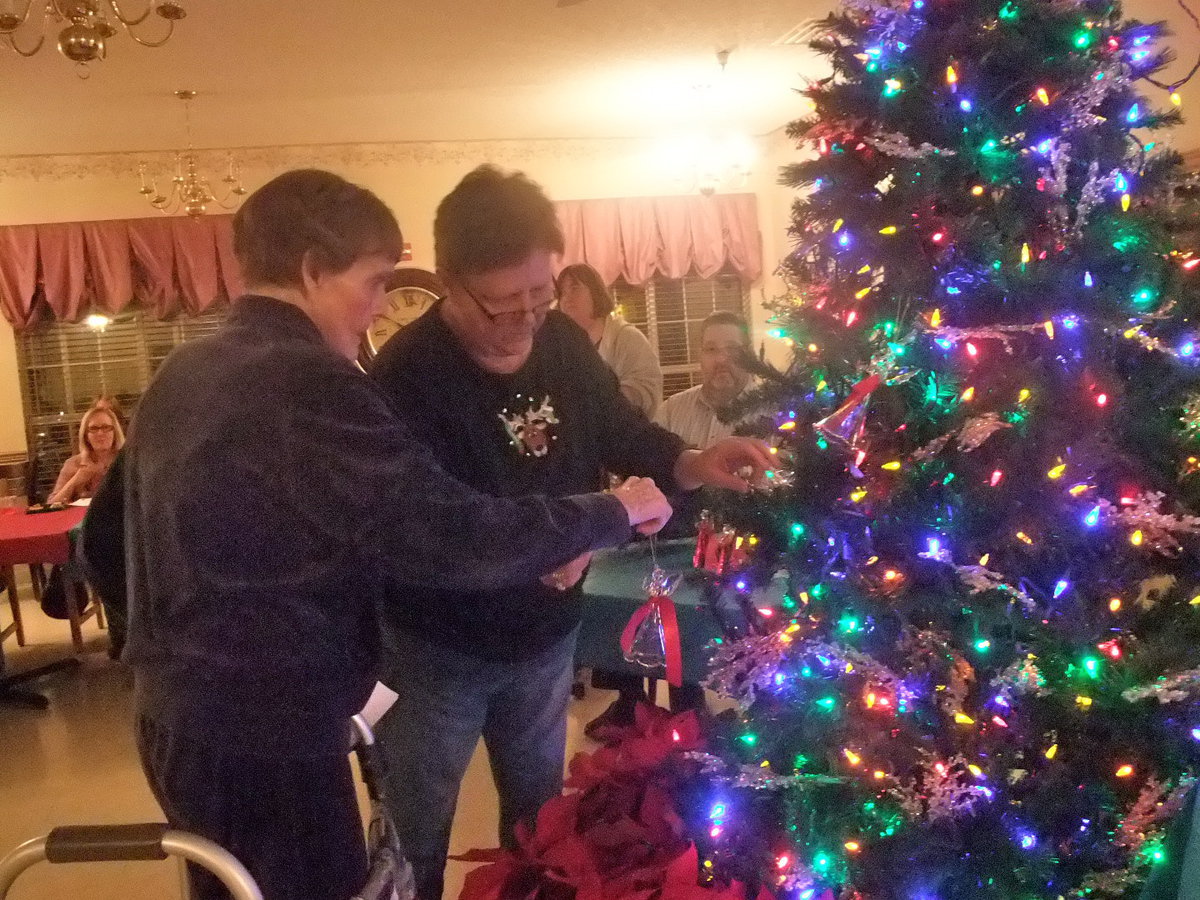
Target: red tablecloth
column 37, row 538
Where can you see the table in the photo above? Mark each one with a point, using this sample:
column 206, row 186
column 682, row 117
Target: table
column 613, row 590
column 42, row 539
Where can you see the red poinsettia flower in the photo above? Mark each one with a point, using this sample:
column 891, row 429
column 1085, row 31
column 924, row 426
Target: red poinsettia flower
column 617, row 836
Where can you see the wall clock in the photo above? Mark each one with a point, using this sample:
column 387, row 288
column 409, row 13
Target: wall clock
column 409, row 293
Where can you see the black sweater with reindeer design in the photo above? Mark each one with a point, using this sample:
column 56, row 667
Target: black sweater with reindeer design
column 553, row 428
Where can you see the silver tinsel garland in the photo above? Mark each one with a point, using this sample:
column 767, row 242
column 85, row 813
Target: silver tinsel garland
column 897, row 144
column 740, row 669
column 978, row 579
column 758, row 778
column 944, row 790
column 1020, row 679
column 1159, row 530
column 1167, row 688
column 974, row 432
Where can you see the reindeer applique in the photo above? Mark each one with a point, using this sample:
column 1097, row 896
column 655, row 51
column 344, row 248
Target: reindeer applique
column 529, row 431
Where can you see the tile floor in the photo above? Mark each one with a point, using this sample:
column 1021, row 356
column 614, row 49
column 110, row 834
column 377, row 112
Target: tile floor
column 75, row 763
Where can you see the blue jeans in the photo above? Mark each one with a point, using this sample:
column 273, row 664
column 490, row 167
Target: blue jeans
column 448, row 700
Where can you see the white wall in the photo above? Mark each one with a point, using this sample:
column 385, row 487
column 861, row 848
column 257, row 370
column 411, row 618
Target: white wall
column 411, row 178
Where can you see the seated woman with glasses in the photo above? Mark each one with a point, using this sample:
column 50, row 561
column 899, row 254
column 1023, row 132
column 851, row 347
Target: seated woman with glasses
column 100, row 439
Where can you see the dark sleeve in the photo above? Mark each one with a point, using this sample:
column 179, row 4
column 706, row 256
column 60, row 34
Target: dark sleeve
column 630, row 443
column 102, row 537
column 382, row 486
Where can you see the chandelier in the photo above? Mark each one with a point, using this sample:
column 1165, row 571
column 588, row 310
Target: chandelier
column 190, row 191
column 87, row 25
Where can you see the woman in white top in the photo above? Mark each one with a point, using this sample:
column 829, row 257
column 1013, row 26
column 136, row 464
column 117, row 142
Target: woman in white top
column 583, row 296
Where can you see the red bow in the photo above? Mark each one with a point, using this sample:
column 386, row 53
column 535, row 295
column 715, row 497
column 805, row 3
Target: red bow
column 670, row 623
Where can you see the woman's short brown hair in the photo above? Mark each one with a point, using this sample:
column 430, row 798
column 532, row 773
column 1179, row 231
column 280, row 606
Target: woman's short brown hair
column 492, row 220
column 602, row 300
column 309, row 212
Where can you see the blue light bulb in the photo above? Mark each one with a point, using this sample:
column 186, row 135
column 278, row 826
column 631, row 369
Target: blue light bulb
column 1060, row 587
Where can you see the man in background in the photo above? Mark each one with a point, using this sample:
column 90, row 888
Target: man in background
column 693, row 414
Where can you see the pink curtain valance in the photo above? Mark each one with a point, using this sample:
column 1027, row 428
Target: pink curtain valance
column 636, row 238
column 182, row 265
column 169, row 265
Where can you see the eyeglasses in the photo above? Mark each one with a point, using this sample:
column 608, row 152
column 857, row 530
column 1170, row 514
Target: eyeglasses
column 92, row 428
column 513, row 316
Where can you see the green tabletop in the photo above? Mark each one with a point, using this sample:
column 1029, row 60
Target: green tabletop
column 613, row 591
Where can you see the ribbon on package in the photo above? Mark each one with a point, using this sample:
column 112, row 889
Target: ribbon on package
column 651, row 637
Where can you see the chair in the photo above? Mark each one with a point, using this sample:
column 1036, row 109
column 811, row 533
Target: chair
column 17, row 626
column 10, row 691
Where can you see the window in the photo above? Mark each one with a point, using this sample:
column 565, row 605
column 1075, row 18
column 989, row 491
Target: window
column 64, row 367
column 669, row 312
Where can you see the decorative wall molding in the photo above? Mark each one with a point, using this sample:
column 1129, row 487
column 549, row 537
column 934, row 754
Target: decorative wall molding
column 344, row 156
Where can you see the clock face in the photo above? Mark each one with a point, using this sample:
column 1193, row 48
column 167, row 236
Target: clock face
column 410, row 293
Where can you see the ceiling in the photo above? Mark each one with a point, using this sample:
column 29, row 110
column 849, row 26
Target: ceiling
column 315, row 72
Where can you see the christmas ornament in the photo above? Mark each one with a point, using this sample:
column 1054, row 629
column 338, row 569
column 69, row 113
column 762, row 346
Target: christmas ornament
column 651, row 637
column 843, row 427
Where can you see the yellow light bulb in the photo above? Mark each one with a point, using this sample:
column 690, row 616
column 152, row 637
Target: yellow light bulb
column 936, row 319
column 1052, row 752
column 892, row 466
column 1114, row 605
column 1025, row 253
column 858, row 495
column 837, row 226
column 963, row 719
column 1024, row 395
column 888, row 229
column 1176, row 99
column 1043, row 97
column 1024, row 538
column 864, row 270
column 1083, row 701
column 1057, row 472
column 983, row 560
column 977, row 190
column 968, row 395
column 852, row 846
column 1125, row 201
column 1125, row 771
column 862, row 293
column 1137, row 538
column 1049, row 326
column 853, row 758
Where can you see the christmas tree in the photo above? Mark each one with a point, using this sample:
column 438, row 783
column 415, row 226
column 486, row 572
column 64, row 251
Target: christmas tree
column 986, row 681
